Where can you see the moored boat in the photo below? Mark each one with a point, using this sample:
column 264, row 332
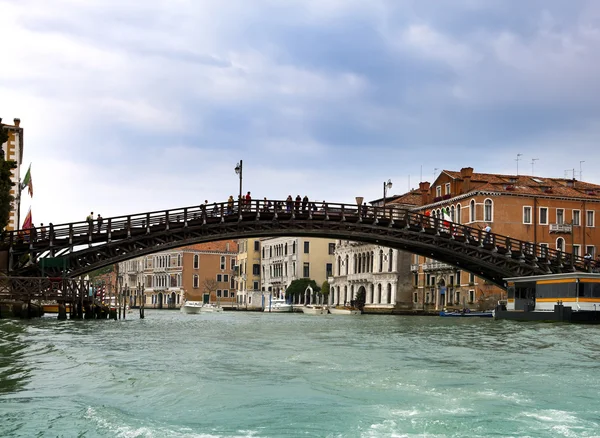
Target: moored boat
column 467, row 313
column 210, row 308
column 191, row 307
column 315, row 310
column 278, row 306
column 344, row 310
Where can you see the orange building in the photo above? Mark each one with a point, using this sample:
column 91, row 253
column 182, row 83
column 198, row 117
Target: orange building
column 13, row 150
column 200, row 272
column 558, row 213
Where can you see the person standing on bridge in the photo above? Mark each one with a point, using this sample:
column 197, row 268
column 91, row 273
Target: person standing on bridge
column 488, row 231
column 289, row 203
column 298, row 202
column 248, row 201
column 230, row 205
column 100, row 220
column 304, row 203
column 90, row 221
column 42, row 231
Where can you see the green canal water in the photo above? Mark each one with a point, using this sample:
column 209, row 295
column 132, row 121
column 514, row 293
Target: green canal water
column 239, row 374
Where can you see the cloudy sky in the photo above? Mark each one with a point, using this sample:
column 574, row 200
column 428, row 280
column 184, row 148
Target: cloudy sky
column 131, row 106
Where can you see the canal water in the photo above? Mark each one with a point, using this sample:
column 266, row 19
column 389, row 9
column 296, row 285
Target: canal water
column 238, row 374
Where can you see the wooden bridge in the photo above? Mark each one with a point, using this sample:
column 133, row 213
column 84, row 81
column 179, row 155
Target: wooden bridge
column 73, row 249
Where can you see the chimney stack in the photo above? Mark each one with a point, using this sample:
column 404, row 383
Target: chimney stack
column 424, row 189
column 17, row 122
column 466, row 173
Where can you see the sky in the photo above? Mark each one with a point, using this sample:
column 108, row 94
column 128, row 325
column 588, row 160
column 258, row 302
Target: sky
column 148, row 105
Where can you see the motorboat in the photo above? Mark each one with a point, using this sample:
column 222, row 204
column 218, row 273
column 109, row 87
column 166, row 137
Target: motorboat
column 191, row 307
column 315, row 310
column 344, row 310
column 278, row 305
column 207, row 308
column 467, row 313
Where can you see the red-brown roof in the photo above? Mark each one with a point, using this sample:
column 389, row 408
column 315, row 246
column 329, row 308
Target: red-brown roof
column 220, row 246
column 413, row 197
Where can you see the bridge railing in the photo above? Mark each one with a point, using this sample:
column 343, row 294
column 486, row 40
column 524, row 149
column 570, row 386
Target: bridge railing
column 119, row 227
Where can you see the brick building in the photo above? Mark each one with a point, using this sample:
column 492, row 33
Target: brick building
column 558, row 213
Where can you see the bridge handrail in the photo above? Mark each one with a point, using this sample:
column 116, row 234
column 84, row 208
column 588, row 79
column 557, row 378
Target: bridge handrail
column 221, row 210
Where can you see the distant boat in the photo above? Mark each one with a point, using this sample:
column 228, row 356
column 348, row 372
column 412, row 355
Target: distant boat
column 191, row 307
column 278, row 306
column 466, row 313
column 206, row 308
column 344, row 310
column 315, row 310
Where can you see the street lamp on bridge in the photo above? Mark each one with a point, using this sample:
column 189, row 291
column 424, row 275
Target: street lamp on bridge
column 386, row 186
column 238, row 171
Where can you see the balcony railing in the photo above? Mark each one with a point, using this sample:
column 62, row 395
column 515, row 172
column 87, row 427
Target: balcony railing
column 414, row 267
column 561, row 228
column 437, row 266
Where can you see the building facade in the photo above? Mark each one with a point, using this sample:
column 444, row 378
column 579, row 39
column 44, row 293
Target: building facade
column 13, row 150
column 201, row 272
column 249, row 293
column 557, row 213
column 285, row 259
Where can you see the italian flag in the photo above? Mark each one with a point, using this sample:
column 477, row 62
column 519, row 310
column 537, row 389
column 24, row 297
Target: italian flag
column 27, row 182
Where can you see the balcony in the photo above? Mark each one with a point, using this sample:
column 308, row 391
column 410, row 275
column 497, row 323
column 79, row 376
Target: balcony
column 561, row 228
column 437, row 266
column 414, row 267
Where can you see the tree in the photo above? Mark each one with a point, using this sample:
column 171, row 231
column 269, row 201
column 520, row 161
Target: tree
column 298, row 287
column 210, row 285
column 325, row 290
column 360, row 300
column 6, row 184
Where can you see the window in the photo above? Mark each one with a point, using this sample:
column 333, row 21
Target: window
column 527, row 215
column 457, row 297
column 415, row 297
column 225, row 293
column 543, row 215
column 471, row 278
column 590, row 218
column 390, row 260
column 232, row 283
column 255, row 285
column 196, row 261
column 428, row 279
column 195, row 281
column 458, row 278
column 306, row 270
column 331, row 248
column 447, row 189
column 438, row 191
column 560, row 216
column 458, row 218
column 576, row 218
column 225, row 278
column 472, row 212
column 471, row 296
column 487, row 210
column 232, row 260
column 306, row 247
column 218, row 293
column 591, row 250
column 222, row 263
column 256, row 269
column 256, row 245
column 560, row 244
column 294, row 247
column 577, row 250
column 328, row 269
column 381, row 261
column 219, row 278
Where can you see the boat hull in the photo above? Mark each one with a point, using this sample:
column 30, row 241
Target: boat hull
column 559, row 314
column 343, row 311
column 209, row 308
column 315, row 310
column 191, row 308
column 466, row 314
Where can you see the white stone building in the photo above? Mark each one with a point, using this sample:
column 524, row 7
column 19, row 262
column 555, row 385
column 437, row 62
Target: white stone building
column 383, row 274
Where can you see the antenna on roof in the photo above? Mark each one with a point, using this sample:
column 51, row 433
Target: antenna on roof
column 517, row 160
column 533, row 160
column 435, row 169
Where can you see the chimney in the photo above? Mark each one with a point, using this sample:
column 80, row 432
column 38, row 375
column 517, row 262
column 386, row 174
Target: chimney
column 424, row 189
column 466, row 173
column 17, row 122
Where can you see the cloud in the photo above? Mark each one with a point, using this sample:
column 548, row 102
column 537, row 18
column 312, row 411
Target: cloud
column 144, row 105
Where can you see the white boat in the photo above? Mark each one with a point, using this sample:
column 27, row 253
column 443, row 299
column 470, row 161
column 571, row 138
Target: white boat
column 191, row 307
column 315, row 310
column 210, row 308
column 278, row 305
column 344, row 310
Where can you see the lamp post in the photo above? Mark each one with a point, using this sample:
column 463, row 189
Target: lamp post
column 386, row 186
column 238, row 170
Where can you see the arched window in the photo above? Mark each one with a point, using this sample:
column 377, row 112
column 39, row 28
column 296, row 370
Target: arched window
column 458, row 218
column 452, row 216
column 487, row 210
column 355, row 264
column 339, row 266
column 345, row 294
column 560, row 244
column 196, row 261
column 390, row 260
column 389, row 293
column 472, row 212
column 371, row 294
column 381, row 260
column 351, row 292
column 372, row 260
column 379, row 293
column 347, row 263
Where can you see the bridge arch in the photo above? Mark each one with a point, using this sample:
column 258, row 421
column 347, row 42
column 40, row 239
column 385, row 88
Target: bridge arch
column 76, row 248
